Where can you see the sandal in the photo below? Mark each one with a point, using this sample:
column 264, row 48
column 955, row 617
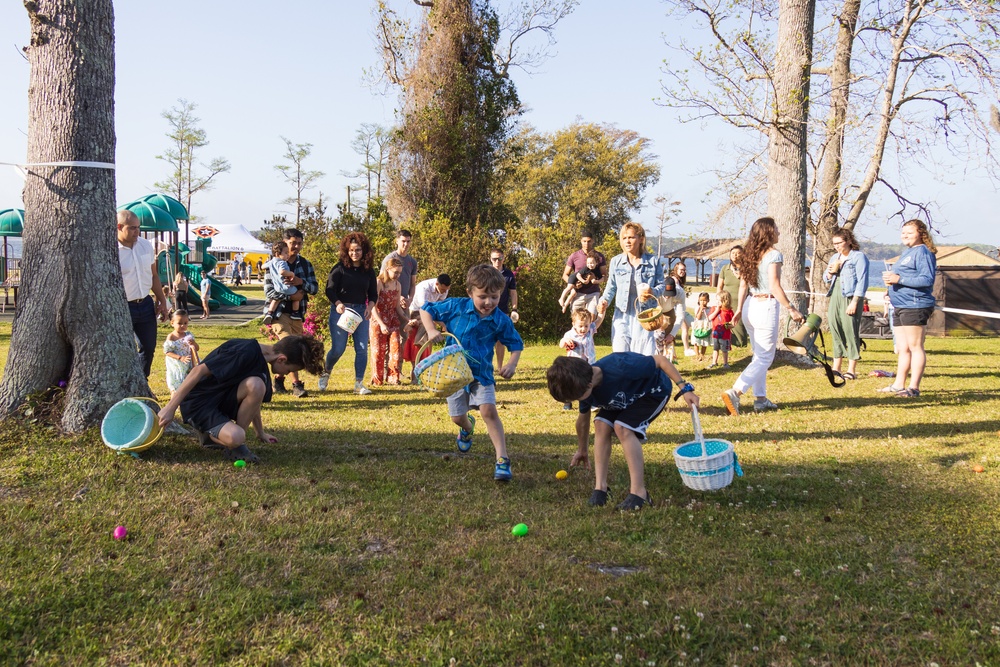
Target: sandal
column 889, row 390
column 633, row 502
column 907, row 393
column 848, row 376
column 241, row 453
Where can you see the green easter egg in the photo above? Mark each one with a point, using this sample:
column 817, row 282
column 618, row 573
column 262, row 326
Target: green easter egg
column 520, row 530
column 239, row 463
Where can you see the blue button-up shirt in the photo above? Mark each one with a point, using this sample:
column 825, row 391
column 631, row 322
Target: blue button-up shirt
column 853, row 274
column 477, row 334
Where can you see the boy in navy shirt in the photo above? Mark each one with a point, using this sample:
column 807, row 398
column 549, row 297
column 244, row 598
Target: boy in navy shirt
column 221, row 396
column 629, row 391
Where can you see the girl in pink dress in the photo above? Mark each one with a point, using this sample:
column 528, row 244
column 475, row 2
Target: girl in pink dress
column 387, row 317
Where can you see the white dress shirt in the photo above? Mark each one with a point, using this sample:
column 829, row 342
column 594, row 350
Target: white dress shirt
column 426, row 292
column 137, row 263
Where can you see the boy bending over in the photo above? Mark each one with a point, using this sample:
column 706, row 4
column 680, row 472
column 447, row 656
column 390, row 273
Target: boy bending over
column 222, row 395
column 478, row 324
column 629, row 390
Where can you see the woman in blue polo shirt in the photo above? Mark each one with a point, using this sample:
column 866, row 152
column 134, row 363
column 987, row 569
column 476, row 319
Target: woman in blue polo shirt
column 911, row 284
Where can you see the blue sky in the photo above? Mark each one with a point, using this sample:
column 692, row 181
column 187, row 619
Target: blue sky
column 258, row 70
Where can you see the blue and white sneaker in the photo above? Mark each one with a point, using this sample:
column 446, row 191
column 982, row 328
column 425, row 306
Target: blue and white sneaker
column 501, row 471
column 464, row 439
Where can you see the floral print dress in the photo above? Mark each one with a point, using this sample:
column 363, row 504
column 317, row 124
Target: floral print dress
column 385, row 360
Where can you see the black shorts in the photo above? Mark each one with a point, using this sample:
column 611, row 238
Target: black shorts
column 911, row 317
column 636, row 417
column 208, row 411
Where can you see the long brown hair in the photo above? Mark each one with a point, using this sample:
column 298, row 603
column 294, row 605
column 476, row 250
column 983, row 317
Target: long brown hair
column 681, row 280
column 763, row 236
column 925, row 234
column 847, row 236
column 367, row 254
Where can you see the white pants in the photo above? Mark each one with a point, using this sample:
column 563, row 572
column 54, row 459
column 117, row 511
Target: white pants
column 761, row 321
column 627, row 335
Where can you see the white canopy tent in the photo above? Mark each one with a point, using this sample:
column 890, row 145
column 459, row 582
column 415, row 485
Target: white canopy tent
column 233, row 238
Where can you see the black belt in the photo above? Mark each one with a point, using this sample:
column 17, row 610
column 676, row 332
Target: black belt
column 138, row 301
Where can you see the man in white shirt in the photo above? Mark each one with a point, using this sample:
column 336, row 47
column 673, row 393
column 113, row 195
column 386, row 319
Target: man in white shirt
column 431, row 290
column 138, row 264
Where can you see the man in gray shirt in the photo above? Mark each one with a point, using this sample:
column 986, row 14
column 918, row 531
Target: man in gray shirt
column 407, row 279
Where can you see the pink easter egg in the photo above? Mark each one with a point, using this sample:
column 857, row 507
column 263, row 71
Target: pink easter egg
column 120, row 533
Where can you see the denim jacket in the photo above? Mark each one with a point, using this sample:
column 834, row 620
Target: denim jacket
column 853, row 274
column 619, row 274
column 916, row 268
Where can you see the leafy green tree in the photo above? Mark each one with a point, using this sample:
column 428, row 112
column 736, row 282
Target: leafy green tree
column 584, row 176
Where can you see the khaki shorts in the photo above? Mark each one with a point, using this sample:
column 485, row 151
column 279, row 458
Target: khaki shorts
column 286, row 326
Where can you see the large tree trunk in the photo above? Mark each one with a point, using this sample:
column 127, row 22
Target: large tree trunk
column 72, row 321
column 833, row 155
column 787, row 170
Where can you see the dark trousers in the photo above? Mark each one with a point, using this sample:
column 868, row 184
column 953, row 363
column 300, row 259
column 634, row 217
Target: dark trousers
column 144, row 325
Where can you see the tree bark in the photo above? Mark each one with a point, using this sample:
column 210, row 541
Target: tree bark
column 72, row 320
column 833, row 155
column 787, row 170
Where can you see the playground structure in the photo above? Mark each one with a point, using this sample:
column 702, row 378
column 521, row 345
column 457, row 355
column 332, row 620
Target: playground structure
column 158, row 215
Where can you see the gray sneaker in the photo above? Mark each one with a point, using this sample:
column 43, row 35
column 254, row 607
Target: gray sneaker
column 324, row 381
column 763, row 405
column 299, row 390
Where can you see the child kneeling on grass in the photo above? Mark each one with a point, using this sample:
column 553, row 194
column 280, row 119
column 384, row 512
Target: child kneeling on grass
column 478, row 324
column 629, row 390
column 222, row 396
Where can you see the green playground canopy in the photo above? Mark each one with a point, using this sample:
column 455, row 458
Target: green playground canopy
column 152, row 218
column 168, row 204
column 11, row 222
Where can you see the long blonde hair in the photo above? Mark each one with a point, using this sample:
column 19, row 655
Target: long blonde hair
column 925, row 234
column 390, row 263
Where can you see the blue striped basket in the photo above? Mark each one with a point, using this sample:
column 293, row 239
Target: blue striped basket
column 706, row 465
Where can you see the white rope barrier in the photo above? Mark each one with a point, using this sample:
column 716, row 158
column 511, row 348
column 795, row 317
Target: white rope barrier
column 957, row 311
column 22, row 169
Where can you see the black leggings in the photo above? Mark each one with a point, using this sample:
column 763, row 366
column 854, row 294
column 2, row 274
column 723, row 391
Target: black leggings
column 181, row 300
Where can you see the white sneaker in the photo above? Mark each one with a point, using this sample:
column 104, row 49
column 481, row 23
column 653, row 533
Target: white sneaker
column 732, row 401
column 763, row 405
column 324, row 381
column 689, row 352
column 360, row 389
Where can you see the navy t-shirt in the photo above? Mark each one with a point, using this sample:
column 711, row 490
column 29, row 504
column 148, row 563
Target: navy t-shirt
column 231, row 363
column 627, row 377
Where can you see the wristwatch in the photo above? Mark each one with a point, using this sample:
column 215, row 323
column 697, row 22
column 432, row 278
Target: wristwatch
column 686, row 389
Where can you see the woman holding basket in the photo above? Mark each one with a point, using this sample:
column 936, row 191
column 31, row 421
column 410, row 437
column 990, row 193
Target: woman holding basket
column 634, row 277
column 351, row 285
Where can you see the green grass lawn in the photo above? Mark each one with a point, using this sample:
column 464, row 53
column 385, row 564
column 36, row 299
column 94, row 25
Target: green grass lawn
column 859, row 535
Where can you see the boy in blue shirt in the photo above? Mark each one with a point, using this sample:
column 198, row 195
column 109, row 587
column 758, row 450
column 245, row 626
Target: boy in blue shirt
column 629, row 390
column 479, row 325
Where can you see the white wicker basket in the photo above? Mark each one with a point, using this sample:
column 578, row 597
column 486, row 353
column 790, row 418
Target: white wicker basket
column 706, row 465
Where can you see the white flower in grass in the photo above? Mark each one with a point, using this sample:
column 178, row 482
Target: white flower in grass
column 783, row 639
column 747, row 626
column 628, row 638
column 933, row 664
column 797, row 572
column 650, row 663
column 677, row 618
column 614, row 630
column 756, row 648
column 700, row 614
column 995, row 630
column 618, row 658
column 645, row 603
column 541, row 626
column 607, row 599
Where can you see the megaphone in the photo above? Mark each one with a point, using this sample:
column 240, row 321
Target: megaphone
column 803, row 341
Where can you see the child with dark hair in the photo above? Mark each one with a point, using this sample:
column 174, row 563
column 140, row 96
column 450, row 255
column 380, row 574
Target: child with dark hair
column 221, row 397
column 629, row 390
column 478, row 324
column 279, row 270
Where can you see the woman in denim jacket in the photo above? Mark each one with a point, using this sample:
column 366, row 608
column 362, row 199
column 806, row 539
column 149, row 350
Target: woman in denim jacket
column 847, row 275
column 633, row 275
column 911, row 284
